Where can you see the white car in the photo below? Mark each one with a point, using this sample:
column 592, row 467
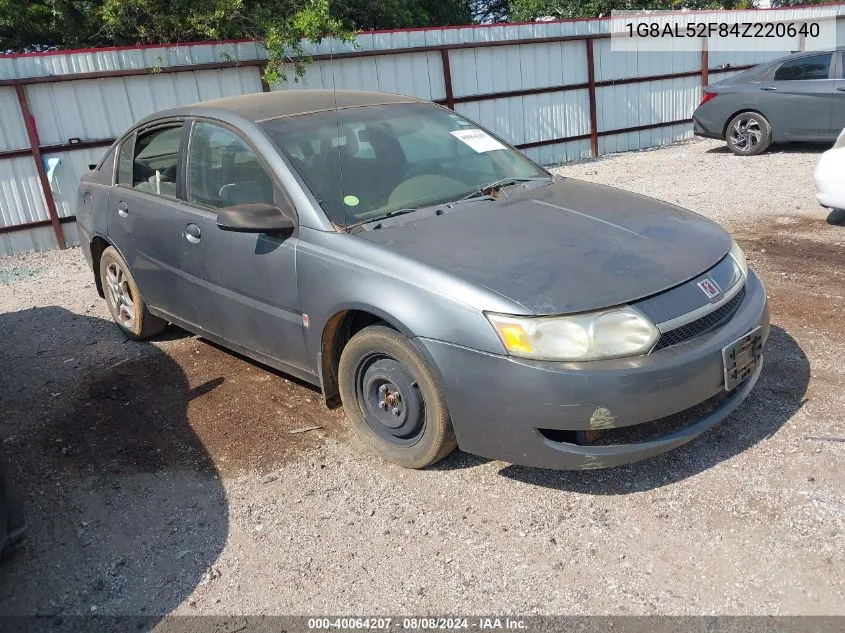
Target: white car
column 830, row 175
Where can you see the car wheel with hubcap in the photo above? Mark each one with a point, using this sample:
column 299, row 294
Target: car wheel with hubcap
column 125, row 302
column 392, row 399
column 748, row 133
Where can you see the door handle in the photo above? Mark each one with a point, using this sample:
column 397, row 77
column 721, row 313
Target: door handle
column 840, row 88
column 192, row 233
column 768, row 88
column 122, row 209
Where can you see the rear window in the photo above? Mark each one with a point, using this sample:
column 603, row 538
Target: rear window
column 812, row 67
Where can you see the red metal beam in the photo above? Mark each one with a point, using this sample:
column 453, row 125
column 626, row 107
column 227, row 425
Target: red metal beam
column 447, row 78
column 15, row 153
column 265, row 87
column 705, row 63
column 519, row 93
column 59, row 147
column 34, row 225
column 591, row 92
column 621, row 130
column 32, row 133
column 553, row 141
column 131, row 72
column 640, row 128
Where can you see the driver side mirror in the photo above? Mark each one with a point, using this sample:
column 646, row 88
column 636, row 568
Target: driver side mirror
column 255, row 218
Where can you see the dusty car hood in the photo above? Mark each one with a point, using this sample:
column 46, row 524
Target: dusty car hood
column 566, row 247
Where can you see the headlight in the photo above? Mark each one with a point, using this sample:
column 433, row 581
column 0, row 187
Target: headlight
column 611, row 333
column 740, row 258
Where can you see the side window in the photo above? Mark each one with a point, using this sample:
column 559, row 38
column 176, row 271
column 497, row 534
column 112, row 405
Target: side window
column 156, row 161
column 125, row 159
column 812, row 67
column 224, row 171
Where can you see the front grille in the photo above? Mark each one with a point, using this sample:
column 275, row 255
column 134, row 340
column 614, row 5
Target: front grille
column 700, row 326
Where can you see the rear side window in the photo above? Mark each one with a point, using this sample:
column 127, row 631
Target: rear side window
column 124, row 161
column 224, row 171
column 156, row 161
column 812, row 67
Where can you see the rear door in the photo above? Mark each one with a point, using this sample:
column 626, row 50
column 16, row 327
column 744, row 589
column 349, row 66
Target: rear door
column 837, row 115
column 244, row 284
column 147, row 220
column 798, row 99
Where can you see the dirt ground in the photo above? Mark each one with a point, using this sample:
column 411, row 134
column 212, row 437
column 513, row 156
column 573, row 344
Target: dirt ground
column 174, row 476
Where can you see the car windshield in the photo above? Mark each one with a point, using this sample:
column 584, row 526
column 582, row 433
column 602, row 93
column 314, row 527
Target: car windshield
column 367, row 163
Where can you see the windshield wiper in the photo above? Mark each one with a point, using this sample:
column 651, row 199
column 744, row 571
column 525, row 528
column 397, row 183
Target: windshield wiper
column 486, row 190
column 389, row 214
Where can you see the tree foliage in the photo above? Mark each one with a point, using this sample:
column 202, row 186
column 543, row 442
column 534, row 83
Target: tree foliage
column 797, row 3
column 27, row 25
column 534, row 9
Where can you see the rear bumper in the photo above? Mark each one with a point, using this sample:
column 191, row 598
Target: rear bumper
column 708, row 129
column 505, row 408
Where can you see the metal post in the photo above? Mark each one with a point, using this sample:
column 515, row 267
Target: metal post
column 705, row 63
column 32, row 133
column 265, row 87
column 591, row 91
column 447, row 78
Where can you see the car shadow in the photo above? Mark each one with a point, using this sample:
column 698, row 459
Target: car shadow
column 781, row 148
column 127, row 513
column 779, row 394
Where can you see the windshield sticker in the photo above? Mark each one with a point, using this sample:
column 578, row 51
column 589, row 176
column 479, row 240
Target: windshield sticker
column 351, row 201
column 478, row 140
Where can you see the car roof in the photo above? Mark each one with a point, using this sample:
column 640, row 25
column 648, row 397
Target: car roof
column 264, row 106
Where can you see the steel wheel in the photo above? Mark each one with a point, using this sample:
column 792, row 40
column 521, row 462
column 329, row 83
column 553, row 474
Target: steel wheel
column 748, row 133
column 390, row 400
column 120, row 295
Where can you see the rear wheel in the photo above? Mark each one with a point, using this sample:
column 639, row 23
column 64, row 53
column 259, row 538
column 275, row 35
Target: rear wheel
column 748, row 133
column 125, row 302
column 392, row 399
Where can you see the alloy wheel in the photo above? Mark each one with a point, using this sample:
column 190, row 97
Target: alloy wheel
column 746, row 133
column 120, row 295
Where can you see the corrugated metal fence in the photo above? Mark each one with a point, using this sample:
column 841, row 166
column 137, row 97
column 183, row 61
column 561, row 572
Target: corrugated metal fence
column 554, row 89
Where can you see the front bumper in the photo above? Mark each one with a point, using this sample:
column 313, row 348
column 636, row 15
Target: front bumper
column 500, row 404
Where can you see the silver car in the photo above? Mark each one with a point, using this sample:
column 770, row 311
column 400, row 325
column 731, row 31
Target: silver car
column 441, row 286
column 796, row 98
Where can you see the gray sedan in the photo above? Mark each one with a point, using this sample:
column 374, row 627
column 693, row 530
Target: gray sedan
column 796, row 98
column 419, row 270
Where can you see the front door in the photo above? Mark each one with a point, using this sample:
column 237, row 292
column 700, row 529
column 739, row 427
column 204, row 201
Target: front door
column 799, row 98
column 245, row 283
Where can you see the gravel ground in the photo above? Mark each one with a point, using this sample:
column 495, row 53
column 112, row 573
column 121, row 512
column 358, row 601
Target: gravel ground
column 171, row 477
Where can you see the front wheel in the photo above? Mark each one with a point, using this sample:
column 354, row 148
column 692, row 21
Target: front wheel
column 392, row 399
column 748, row 133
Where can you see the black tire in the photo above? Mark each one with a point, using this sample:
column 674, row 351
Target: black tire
column 381, row 366
column 119, row 286
column 748, row 134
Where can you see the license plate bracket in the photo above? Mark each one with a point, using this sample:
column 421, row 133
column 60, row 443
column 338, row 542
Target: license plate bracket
column 742, row 357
